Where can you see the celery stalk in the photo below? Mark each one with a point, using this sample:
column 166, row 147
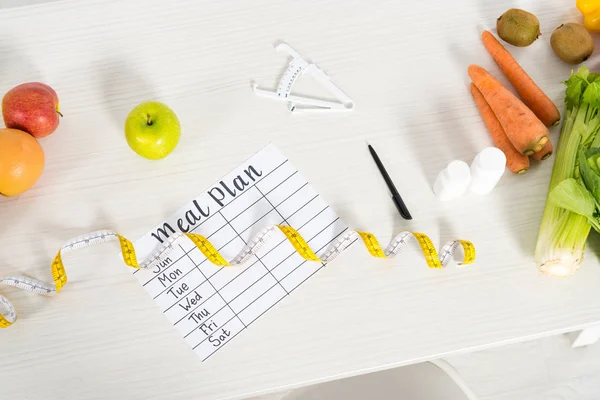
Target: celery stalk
column 562, row 236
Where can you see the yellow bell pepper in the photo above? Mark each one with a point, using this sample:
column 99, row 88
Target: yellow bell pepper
column 591, row 14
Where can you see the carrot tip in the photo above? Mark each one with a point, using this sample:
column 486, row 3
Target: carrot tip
column 556, row 122
column 528, row 152
column 539, row 145
column 522, row 171
column 546, row 156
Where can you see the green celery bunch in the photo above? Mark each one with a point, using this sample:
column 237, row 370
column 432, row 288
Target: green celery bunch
column 573, row 203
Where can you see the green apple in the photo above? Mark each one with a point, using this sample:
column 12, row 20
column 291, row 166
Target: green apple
column 152, row 130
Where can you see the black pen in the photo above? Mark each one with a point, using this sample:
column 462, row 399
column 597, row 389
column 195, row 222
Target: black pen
column 388, row 181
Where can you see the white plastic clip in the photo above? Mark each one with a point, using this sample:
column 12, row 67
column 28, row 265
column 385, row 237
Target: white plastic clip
column 297, row 67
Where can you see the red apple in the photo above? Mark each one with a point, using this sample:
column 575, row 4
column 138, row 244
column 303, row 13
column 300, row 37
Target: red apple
column 31, row 107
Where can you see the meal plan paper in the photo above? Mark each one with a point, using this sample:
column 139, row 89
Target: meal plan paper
column 210, row 305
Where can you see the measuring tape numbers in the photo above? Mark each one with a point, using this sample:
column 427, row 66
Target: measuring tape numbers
column 8, row 314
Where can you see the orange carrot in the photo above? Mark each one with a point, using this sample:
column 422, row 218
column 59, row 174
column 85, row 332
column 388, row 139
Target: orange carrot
column 515, row 161
column 532, row 95
column 544, row 153
column 526, row 132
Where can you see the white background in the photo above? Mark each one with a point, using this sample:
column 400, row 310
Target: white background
column 404, row 65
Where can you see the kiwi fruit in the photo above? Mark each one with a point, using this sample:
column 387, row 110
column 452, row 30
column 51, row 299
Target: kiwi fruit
column 572, row 43
column 518, row 27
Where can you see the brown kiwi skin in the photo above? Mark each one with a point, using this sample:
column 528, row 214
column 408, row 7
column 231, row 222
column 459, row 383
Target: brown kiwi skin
column 572, row 43
column 518, row 27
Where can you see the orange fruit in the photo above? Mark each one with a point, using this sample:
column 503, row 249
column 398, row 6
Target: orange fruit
column 21, row 161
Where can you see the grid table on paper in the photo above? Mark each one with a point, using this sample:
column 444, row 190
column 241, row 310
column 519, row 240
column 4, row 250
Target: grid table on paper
column 210, row 305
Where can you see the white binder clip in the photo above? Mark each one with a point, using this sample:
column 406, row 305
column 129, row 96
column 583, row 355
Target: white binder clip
column 297, row 67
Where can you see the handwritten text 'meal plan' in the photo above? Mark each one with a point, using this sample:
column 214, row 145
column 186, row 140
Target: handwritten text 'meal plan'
column 221, row 193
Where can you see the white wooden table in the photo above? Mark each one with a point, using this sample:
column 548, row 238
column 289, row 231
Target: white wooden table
column 404, row 65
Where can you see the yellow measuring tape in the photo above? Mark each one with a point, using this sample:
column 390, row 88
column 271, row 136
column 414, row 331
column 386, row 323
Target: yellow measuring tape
column 8, row 313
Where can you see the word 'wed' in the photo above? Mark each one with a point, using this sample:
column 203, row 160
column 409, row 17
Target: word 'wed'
column 239, row 183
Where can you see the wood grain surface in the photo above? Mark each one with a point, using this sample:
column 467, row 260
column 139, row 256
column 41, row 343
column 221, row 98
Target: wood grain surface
column 404, row 65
